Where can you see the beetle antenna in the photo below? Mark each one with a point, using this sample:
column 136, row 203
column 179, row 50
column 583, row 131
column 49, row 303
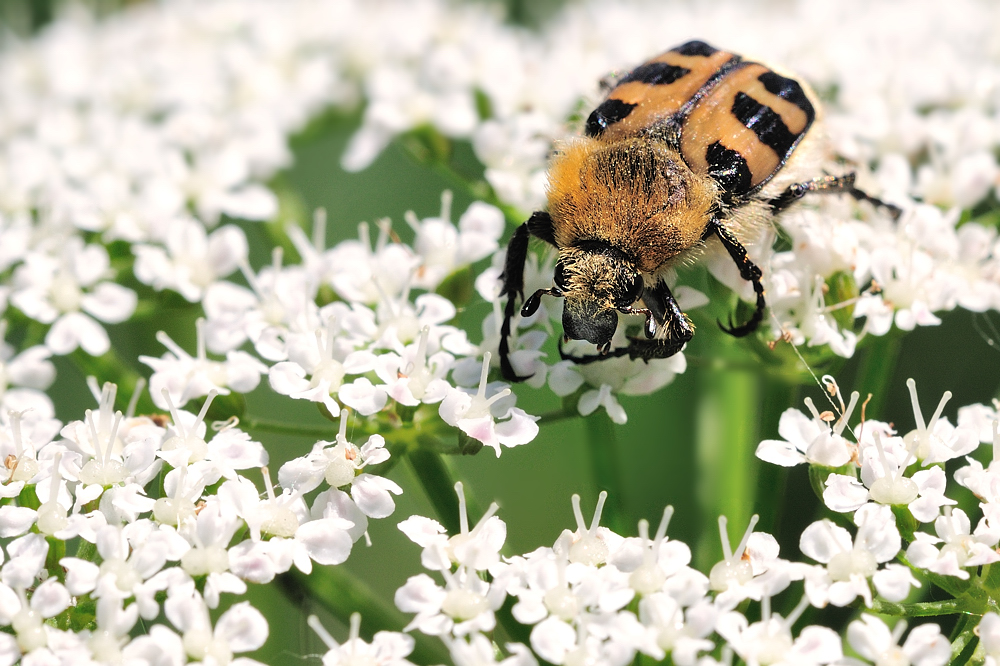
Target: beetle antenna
column 531, row 305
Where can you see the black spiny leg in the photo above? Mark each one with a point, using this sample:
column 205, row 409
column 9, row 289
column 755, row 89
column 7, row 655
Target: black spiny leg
column 540, row 226
column 662, row 312
column 748, row 271
column 829, row 185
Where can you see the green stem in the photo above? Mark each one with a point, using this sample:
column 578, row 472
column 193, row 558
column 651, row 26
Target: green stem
column 727, row 420
column 436, row 477
column 922, row 609
column 875, row 371
column 478, row 189
column 605, row 458
column 771, row 499
column 57, row 550
column 428, row 146
column 312, row 432
column 964, row 639
column 557, row 415
column 953, row 585
column 343, row 593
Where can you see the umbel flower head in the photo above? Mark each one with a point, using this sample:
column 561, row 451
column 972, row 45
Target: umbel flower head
column 151, row 223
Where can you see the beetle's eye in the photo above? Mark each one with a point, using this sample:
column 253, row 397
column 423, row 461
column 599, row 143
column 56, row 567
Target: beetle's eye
column 560, row 277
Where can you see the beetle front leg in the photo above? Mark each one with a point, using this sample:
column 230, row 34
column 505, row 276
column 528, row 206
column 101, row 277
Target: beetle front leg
column 540, row 226
column 667, row 330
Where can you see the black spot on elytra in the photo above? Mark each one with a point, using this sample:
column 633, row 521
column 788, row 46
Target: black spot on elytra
column 695, row 48
column 765, row 123
column 608, row 113
column 789, row 89
column 728, row 168
column 656, row 73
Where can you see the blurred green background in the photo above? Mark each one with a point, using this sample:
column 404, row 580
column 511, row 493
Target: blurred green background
column 690, row 445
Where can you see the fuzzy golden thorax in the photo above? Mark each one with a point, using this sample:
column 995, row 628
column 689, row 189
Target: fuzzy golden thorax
column 636, row 195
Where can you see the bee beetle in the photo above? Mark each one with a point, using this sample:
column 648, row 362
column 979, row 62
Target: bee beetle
column 693, row 144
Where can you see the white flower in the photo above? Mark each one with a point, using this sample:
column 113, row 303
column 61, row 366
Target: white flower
column 476, row 415
column 872, row 640
column 883, row 470
column 132, row 557
column 296, row 536
column 190, row 261
column 27, row 617
column 339, row 465
column 185, row 377
column 466, row 604
column 368, row 275
column 413, row 378
column 209, row 533
column 808, row 440
column 319, row 361
column 961, row 548
column 230, row 449
column 65, row 288
column 770, row 640
column 983, row 482
column 114, row 622
column 478, row 548
column 280, row 300
column 752, row 571
column 989, row 636
column 242, row 628
column 652, row 563
column 937, row 441
column 443, row 248
column 849, row 566
column 388, row 648
column 682, row 634
column 477, row 650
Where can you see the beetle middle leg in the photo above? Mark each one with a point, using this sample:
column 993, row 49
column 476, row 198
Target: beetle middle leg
column 748, row 271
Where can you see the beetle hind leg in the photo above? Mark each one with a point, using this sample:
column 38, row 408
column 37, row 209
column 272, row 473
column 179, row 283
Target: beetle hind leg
column 829, row 185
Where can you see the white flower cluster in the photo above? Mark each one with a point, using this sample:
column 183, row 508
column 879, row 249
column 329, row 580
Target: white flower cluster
column 881, row 469
column 125, row 144
column 193, row 106
column 93, row 484
column 596, row 597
